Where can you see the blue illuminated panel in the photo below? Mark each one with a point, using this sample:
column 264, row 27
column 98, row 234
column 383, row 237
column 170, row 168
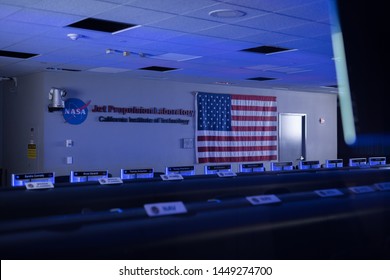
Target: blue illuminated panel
column 357, row 162
column 18, row 180
column 377, row 160
column 214, row 169
column 252, row 167
column 85, row 176
column 334, row 163
column 137, row 173
column 182, row 170
column 309, row 164
column 282, row 165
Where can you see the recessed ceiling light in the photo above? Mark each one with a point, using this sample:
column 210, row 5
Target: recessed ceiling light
column 227, row 13
column 108, row 70
column 175, row 57
column 224, row 83
column 62, row 69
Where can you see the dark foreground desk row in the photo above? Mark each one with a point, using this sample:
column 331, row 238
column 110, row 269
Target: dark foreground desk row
column 300, row 226
column 281, row 216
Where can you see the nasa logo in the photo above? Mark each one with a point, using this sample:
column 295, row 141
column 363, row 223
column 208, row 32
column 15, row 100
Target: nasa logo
column 75, row 111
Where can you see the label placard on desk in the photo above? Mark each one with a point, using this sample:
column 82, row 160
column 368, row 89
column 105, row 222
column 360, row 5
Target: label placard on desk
column 334, row 163
column 183, row 170
column 22, row 179
column 137, row 173
column 213, row 169
column 362, row 189
column 165, row 208
column 226, row 174
column 171, row 177
column 252, row 167
column 110, row 181
column 329, row 192
column 39, row 185
column 383, row 186
column 263, row 199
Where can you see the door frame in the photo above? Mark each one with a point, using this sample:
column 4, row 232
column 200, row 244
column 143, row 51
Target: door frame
column 304, row 132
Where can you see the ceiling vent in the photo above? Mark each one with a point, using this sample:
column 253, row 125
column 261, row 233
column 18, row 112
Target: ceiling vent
column 261, row 79
column 102, row 25
column 267, row 50
column 158, row 68
column 22, row 55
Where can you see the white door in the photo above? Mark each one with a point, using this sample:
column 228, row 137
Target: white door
column 292, row 137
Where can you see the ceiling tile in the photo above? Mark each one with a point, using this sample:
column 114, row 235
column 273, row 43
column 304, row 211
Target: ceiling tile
column 176, row 7
column 133, row 15
column 87, row 8
column 272, row 21
column 185, row 24
column 43, row 17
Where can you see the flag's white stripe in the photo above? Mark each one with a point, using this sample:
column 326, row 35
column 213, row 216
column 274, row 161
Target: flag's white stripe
column 253, row 113
column 236, row 154
column 253, row 103
column 235, row 133
column 253, row 123
column 236, row 143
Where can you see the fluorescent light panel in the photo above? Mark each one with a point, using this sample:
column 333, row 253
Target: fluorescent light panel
column 176, row 57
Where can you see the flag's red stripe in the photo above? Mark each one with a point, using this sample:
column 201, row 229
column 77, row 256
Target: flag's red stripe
column 237, row 138
column 237, row 159
column 254, row 108
column 253, row 128
column 237, row 149
column 253, row 97
column 255, row 118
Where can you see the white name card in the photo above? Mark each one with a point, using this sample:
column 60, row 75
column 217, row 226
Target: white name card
column 329, row 192
column 39, row 185
column 170, row 177
column 110, row 181
column 263, row 199
column 165, row 208
column 363, row 189
column 226, row 174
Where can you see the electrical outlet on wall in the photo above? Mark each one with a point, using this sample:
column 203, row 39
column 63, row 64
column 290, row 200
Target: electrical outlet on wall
column 188, row 143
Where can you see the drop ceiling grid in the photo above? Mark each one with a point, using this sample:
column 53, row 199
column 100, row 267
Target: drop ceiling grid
column 177, row 7
column 169, row 26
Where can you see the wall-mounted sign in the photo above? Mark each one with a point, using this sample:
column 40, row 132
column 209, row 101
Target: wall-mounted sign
column 141, row 110
column 122, row 111
column 31, row 151
column 75, row 111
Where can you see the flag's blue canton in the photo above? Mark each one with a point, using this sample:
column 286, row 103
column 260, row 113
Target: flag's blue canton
column 214, row 112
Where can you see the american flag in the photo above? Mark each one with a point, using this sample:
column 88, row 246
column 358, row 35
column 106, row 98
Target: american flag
column 235, row 128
